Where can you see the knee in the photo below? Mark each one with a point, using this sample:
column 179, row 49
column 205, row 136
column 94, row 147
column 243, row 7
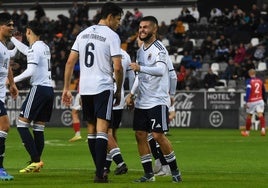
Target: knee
column 158, row 137
column 141, row 135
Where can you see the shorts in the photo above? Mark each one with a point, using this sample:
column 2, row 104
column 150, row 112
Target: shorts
column 116, row 119
column 97, row 106
column 151, row 120
column 77, row 102
column 38, row 104
column 3, row 110
column 257, row 106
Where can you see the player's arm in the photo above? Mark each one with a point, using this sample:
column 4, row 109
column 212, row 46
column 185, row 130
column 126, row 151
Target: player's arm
column 31, row 67
column 118, row 76
column 248, row 90
column 131, row 77
column 131, row 96
column 11, row 84
column 20, row 46
column 264, row 97
column 157, row 70
column 69, row 67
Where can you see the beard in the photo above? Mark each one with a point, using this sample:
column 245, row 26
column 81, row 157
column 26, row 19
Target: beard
column 146, row 38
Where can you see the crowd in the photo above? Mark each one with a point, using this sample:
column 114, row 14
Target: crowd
column 223, row 37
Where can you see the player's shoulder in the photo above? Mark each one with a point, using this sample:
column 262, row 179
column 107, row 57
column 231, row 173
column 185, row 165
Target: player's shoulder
column 160, row 46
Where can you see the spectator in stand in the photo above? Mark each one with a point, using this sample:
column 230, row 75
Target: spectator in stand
column 187, row 58
column 256, row 11
column 73, row 11
column 163, row 29
column 23, row 20
column 181, row 75
column 262, row 28
column 191, row 82
column 83, row 11
column 137, row 15
column 195, row 64
column 195, row 13
column 179, row 31
column 15, row 17
column 210, row 79
column 246, row 67
column 39, row 12
column 222, row 51
column 215, row 15
column 188, row 45
column 229, row 72
column 208, row 47
column 240, row 53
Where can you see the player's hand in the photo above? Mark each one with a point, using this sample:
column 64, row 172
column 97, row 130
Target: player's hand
column 17, row 35
column 130, row 101
column 67, row 98
column 135, row 67
column 117, row 98
column 172, row 100
column 13, row 91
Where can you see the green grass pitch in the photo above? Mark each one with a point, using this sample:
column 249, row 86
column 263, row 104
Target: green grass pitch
column 207, row 158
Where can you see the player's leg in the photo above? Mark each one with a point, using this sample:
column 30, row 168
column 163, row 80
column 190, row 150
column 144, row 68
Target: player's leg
column 76, row 126
column 260, row 114
column 4, row 127
column 113, row 148
column 141, row 133
column 157, row 166
column 160, row 115
column 76, row 119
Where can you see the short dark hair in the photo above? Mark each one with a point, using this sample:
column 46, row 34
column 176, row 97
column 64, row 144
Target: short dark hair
column 36, row 27
column 5, row 18
column 151, row 19
column 110, row 8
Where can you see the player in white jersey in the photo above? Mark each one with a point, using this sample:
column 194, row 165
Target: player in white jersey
column 98, row 49
column 161, row 167
column 6, row 29
column 38, row 105
column 152, row 99
column 113, row 148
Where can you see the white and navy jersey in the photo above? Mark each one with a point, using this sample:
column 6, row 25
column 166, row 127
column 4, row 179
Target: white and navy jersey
column 38, row 65
column 96, row 45
column 39, row 55
column 4, row 66
column 153, row 90
column 127, row 72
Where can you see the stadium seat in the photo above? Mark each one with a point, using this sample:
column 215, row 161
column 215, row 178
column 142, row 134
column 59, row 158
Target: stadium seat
column 223, row 81
column 178, row 59
column 194, row 42
column 211, row 89
column 172, row 57
column 231, row 84
column 231, row 90
column 205, row 67
column 215, row 67
column 261, row 66
column 254, row 41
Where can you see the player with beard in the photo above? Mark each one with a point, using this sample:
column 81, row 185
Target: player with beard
column 152, row 99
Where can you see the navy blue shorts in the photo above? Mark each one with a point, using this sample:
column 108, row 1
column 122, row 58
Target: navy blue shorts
column 116, row 119
column 97, row 106
column 3, row 110
column 38, row 104
column 151, row 120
